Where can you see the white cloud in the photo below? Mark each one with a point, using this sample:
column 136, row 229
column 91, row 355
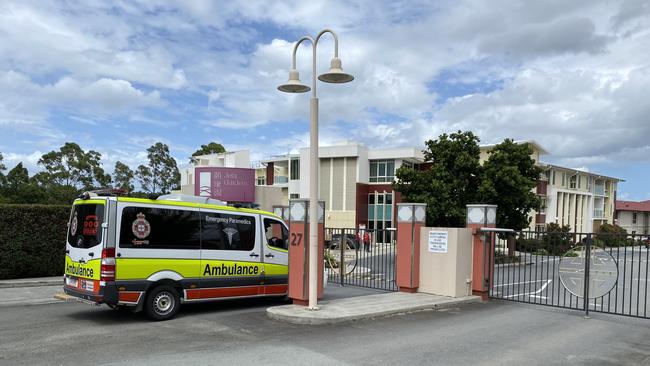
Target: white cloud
column 572, row 75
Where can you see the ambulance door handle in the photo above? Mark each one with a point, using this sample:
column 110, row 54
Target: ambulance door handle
column 269, row 255
column 67, row 251
column 92, row 254
column 254, row 255
column 119, row 254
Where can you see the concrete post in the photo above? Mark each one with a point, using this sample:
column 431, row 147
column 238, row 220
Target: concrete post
column 479, row 216
column 299, row 250
column 410, row 218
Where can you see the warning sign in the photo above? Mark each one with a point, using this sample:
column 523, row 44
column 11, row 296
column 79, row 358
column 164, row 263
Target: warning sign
column 438, row 241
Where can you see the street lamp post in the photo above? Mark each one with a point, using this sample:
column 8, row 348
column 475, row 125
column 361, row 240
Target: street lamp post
column 335, row 75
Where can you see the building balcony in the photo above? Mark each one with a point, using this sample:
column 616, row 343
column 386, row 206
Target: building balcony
column 600, row 190
column 280, row 179
column 540, row 218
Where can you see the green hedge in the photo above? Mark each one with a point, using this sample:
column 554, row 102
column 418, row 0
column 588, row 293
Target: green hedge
column 32, row 240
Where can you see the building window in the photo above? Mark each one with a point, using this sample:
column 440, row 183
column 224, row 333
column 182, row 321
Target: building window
column 407, row 164
column 553, row 177
column 295, row 168
column 542, row 209
column 563, row 179
column 634, row 217
column 382, row 171
column 294, row 196
column 572, row 182
column 380, row 216
column 261, row 180
column 540, row 228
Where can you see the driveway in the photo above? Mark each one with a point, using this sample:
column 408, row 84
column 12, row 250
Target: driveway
column 238, row 332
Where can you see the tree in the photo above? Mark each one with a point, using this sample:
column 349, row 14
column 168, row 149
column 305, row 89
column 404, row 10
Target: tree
column 123, row 176
column 508, row 180
column 72, row 166
column 162, row 174
column 17, row 177
column 451, row 182
column 19, row 188
column 211, row 148
column 2, row 168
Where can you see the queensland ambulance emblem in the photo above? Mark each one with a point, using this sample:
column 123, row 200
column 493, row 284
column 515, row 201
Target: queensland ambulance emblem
column 73, row 226
column 141, row 228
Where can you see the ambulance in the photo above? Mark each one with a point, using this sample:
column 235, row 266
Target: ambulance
column 154, row 255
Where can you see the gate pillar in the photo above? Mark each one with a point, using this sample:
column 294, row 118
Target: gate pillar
column 299, row 250
column 479, row 216
column 410, row 218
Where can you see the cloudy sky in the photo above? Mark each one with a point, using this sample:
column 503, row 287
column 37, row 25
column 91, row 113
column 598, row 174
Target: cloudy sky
column 572, row 75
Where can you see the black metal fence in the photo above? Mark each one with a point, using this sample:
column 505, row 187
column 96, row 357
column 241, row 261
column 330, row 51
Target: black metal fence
column 361, row 257
column 562, row 269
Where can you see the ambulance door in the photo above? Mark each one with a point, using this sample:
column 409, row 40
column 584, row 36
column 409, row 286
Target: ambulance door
column 275, row 238
column 230, row 254
column 86, row 232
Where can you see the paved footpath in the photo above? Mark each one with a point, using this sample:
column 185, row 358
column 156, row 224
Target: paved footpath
column 365, row 307
column 30, row 291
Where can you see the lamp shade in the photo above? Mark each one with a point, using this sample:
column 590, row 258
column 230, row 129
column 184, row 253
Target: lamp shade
column 336, row 74
column 294, row 85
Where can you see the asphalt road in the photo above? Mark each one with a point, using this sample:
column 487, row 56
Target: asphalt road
column 238, row 332
column 626, row 272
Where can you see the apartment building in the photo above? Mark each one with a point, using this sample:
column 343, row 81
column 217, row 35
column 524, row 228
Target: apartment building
column 354, row 181
column 633, row 216
column 356, row 184
column 583, row 200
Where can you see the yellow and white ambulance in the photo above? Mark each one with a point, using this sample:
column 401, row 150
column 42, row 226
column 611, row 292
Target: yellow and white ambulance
column 156, row 254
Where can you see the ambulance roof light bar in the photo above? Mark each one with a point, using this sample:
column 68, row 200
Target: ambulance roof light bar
column 104, row 192
column 193, row 199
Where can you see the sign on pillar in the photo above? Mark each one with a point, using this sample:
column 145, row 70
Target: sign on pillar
column 299, row 250
column 410, row 218
column 481, row 216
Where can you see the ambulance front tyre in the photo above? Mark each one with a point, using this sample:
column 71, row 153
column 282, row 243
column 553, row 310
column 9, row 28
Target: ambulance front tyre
column 162, row 303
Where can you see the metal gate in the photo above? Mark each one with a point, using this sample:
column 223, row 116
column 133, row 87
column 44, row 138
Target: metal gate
column 361, row 257
column 562, row 269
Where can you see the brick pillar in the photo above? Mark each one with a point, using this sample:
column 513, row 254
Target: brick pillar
column 410, row 218
column 479, row 216
column 299, row 250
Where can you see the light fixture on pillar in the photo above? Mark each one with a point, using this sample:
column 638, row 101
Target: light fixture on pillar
column 294, row 85
column 336, row 74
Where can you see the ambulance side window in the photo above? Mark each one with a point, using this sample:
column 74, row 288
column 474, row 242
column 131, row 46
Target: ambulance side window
column 159, row 228
column 221, row 231
column 277, row 235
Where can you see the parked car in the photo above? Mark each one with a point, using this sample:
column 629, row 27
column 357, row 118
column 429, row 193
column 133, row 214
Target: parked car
column 335, row 241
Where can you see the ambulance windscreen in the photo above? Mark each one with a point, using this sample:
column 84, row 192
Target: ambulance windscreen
column 85, row 229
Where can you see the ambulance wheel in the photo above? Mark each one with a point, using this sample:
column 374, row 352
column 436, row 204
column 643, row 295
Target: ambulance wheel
column 162, row 303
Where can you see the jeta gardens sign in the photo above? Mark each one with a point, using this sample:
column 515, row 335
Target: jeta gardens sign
column 227, row 184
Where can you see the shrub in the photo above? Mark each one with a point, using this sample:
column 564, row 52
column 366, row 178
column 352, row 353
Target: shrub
column 32, row 240
column 502, row 258
column 613, row 236
column 557, row 239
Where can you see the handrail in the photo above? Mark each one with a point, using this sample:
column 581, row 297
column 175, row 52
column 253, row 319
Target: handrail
column 496, row 229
